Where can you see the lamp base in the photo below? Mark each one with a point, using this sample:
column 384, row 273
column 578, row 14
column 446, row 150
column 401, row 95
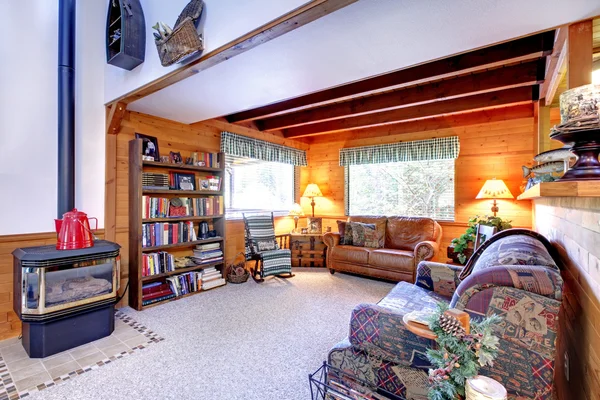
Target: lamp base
column 495, row 208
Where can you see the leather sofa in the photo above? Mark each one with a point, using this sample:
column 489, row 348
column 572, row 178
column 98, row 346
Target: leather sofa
column 404, row 241
column 514, row 275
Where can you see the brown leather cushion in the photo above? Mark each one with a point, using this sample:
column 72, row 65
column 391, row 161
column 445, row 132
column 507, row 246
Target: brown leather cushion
column 351, row 254
column 401, row 260
column 380, row 223
column 404, row 233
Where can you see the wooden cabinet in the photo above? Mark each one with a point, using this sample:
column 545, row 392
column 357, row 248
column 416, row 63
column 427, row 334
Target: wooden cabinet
column 308, row 250
column 207, row 212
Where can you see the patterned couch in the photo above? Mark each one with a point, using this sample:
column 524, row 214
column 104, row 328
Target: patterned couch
column 512, row 275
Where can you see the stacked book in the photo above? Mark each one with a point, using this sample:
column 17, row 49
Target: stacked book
column 211, row 278
column 162, row 233
column 155, row 292
column 188, row 282
column 157, row 263
column 152, row 180
column 208, row 253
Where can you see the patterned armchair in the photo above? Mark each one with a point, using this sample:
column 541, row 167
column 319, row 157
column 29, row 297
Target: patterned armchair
column 262, row 247
column 512, row 275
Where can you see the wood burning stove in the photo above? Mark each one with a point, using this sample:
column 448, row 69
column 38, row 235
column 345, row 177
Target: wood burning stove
column 65, row 298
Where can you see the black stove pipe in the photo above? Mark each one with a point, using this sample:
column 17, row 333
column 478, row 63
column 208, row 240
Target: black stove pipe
column 66, row 106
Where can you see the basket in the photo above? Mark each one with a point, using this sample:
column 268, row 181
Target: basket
column 182, row 43
column 233, row 270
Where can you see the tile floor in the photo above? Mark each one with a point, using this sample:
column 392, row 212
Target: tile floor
column 20, row 375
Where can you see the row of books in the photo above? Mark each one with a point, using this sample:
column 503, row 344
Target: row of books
column 157, row 263
column 162, row 233
column 179, row 285
column 210, row 159
column 161, row 207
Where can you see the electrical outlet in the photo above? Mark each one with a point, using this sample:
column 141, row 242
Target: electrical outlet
column 566, row 366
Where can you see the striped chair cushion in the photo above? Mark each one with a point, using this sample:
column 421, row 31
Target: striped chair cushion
column 260, row 233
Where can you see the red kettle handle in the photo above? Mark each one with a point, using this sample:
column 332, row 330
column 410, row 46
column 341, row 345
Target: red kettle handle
column 95, row 219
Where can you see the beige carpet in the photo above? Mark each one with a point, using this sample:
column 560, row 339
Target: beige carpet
column 248, row 341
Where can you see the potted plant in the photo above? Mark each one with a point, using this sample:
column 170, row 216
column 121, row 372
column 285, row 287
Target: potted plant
column 461, row 248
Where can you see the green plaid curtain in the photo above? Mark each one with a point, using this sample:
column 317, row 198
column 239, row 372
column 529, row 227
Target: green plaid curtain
column 243, row 146
column 418, row 150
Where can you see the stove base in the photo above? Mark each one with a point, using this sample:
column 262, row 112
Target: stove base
column 45, row 338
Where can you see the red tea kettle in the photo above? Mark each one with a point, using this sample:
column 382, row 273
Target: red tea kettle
column 74, row 231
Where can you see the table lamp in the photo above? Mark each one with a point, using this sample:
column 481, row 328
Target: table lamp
column 494, row 189
column 296, row 212
column 312, row 191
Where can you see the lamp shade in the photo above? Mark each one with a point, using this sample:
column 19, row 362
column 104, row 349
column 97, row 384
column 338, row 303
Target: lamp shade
column 494, row 189
column 296, row 210
column 312, row 190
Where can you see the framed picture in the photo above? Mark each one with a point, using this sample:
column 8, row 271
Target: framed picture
column 203, row 184
column 176, row 157
column 186, row 182
column 314, row 225
column 149, row 147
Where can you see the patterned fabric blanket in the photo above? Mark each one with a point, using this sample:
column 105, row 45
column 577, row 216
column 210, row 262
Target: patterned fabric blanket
column 276, row 262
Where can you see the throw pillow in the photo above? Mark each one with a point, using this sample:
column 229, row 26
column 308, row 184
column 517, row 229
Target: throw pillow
column 266, row 245
column 341, row 229
column 364, row 235
column 348, row 235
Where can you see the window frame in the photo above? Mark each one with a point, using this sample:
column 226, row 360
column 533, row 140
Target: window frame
column 279, row 213
column 347, row 193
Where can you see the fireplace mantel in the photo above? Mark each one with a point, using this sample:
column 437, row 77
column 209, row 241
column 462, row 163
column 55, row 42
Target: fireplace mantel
column 562, row 189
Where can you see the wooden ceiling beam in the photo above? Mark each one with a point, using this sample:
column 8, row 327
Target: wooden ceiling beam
column 278, row 27
column 525, row 74
column 451, row 121
column 478, row 101
column 557, row 67
column 535, row 46
column 115, row 116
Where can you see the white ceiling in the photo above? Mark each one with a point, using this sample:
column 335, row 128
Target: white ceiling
column 367, row 38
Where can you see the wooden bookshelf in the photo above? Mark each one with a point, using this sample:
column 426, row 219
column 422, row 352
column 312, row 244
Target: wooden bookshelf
column 136, row 167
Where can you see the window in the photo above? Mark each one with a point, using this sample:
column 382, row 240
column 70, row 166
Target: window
column 254, row 186
column 413, row 188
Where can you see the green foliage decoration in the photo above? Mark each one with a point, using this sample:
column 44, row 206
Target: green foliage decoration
column 459, row 357
column 461, row 243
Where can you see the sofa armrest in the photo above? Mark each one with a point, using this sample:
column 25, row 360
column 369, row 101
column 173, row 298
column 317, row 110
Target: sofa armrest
column 331, row 239
column 475, row 292
column 425, row 250
column 442, row 279
column 380, row 331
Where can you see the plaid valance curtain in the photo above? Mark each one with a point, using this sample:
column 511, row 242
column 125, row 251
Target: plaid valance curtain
column 243, row 146
column 418, row 150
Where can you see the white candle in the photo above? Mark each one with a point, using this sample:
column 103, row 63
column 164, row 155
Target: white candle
column 484, row 388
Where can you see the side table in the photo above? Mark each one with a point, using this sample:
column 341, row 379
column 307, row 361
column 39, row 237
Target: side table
column 308, row 249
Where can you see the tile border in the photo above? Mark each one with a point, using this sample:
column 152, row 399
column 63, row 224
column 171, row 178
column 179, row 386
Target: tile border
column 8, row 390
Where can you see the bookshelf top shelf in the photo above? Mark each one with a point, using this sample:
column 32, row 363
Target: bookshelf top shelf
column 183, row 167
column 182, row 219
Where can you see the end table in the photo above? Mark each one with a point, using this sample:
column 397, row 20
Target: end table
column 308, row 249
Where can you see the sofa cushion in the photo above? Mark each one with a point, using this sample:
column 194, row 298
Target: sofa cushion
column 393, row 259
column 342, row 230
column 405, row 233
column 517, row 249
column 351, row 254
column 380, row 224
column 364, row 235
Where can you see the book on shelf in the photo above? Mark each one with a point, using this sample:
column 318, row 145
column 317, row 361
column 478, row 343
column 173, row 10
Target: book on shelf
column 162, row 207
column 211, row 160
column 213, row 284
column 188, row 282
column 163, row 233
column 153, row 180
column 155, row 292
column 157, row 263
column 211, row 278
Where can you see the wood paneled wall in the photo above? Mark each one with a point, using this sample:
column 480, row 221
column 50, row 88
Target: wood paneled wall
column 573, row 225
column 487, row 150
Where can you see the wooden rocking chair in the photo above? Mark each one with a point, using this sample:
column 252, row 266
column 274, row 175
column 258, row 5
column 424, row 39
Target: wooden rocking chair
column 262, row 246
